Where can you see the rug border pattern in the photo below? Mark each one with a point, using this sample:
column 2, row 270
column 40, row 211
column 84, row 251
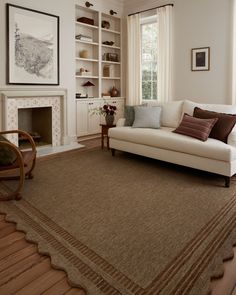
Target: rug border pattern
column 155, row 287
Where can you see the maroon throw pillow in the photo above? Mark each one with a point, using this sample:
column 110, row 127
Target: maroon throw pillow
column 223, row 126
column 195, row 127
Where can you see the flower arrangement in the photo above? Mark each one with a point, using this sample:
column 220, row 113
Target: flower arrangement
column 106, row 109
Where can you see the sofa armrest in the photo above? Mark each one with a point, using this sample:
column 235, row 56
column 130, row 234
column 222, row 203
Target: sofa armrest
column 232, row 138
column 120, row 122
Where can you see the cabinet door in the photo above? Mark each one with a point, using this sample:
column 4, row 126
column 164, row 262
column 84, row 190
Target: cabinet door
column 120, row 109
column 93, row 119
column 82, row 118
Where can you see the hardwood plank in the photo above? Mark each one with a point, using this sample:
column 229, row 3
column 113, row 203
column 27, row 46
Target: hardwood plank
column 234, row 291
column 226, row 284
column 59, row 288
column 2, row 217
column 42, row 283
column 8, row 229
column 13, row 248
column 4, row 224
column 25, row 278
column 16, row 269
column 10, row 239
column 75, row 291
column 16, row 257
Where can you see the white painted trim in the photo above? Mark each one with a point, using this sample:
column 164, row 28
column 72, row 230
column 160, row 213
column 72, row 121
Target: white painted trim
column 21, row 93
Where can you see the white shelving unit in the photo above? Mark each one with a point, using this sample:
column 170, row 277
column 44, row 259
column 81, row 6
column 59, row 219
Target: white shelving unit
column 94, row 58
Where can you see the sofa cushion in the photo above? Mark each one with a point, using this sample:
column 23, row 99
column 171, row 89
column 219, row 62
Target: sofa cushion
column 165, row 139
column 171, row 113
column 7, row 155
column 188, row 107
column 195, row 127
column 147, row 117
column 223, row 126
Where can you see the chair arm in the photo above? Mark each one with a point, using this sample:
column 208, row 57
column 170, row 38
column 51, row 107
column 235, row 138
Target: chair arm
column 26, row 134
column 120, row 122
column 19, row 157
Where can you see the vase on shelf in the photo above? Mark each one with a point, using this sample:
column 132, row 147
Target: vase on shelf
column 109, row 119
column 114, row 92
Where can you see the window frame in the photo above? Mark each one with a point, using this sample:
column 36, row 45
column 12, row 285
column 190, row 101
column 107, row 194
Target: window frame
column 145, row 20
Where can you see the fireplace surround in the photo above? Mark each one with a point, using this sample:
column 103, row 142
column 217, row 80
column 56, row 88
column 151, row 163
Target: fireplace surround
column 14, row 100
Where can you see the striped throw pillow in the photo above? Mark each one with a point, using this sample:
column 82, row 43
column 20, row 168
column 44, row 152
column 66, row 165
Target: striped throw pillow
column 195, row 127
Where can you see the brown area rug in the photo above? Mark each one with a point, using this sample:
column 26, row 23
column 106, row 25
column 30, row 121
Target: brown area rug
column 127, row 224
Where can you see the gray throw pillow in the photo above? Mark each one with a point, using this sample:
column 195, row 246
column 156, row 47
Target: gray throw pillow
column 129, row 114
column 148, row 117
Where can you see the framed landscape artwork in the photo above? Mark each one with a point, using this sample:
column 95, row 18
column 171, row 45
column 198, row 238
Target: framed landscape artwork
column 33, row 47
column 200, row 59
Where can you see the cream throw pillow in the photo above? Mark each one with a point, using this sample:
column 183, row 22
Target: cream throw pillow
column 171, row 113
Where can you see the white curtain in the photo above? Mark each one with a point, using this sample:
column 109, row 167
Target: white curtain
column 133, row 86
column 234, row 57
column 165, row 54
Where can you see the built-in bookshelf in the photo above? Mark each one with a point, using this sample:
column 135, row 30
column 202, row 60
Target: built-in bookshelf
column 98, row 58
column 98, row 52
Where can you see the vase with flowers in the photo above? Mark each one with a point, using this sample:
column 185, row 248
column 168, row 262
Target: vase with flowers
column 108, row 111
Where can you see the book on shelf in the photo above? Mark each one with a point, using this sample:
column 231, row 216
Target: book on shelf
column 84, row 73
column 84, row 38
column 80, row 95
column 106, row 95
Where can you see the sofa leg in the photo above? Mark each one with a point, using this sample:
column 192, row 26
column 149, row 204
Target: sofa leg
column 113, row 151
column 227, row 181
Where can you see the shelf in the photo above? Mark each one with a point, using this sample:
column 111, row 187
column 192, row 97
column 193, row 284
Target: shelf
column 99, row 98
column 87, row 25
column 111, row 31
column 86, row 59
column 109, row 46
column 96, row 67
column 111, row 62
column 86, row 77
column 111, row 78
column 85, row 42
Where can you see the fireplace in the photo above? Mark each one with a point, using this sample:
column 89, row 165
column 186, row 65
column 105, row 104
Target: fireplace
column 42, row 112
column 37, row 122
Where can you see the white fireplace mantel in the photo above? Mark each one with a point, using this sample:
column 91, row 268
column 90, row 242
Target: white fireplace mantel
column 12, row 100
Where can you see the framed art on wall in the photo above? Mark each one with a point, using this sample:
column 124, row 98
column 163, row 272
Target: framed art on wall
column 200, row 59
column 33, row 47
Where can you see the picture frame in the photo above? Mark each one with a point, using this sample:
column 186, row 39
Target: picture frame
column 200, row 59
column 33, row 47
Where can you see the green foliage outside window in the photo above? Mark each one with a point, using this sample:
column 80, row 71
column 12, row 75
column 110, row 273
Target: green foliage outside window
column 149, row 61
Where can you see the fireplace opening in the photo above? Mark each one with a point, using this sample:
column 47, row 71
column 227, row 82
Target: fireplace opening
column 37, row 122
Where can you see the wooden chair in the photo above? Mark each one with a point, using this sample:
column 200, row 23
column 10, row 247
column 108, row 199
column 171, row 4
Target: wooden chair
column 20, row 169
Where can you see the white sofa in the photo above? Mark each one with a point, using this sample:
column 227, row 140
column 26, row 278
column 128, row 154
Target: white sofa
column 162, row 144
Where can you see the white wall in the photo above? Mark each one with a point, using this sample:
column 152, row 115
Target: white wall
column 199, row 23
column 65, row 10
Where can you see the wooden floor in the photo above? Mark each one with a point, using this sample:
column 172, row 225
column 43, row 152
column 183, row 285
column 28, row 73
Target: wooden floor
column 25, row 272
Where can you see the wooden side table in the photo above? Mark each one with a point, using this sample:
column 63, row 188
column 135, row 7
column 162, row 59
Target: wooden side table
column 104, row 134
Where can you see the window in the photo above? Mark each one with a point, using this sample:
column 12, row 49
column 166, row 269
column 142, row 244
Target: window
column 149, row 58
